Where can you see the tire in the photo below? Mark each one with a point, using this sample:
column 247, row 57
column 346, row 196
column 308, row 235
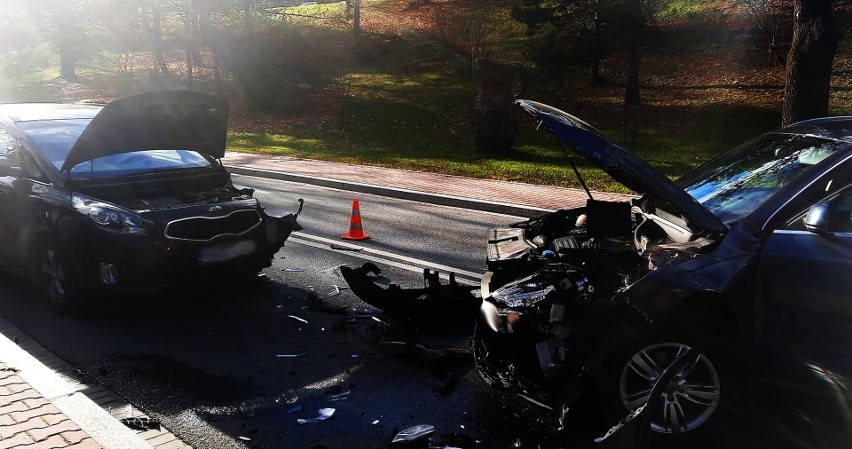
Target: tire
column 55, row 277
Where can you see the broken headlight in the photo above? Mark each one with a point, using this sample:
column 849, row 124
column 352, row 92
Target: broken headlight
column 523, row 293
column 111, row 217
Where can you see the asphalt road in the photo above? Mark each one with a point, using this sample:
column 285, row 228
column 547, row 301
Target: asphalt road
column 206, row 362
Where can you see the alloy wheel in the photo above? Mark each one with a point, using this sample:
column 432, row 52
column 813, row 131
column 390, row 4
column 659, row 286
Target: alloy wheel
column 688, row 400
column 53, row 276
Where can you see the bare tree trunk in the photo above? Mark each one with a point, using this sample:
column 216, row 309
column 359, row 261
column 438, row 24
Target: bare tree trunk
column 247, row 15
column 187, row 21
column 815, row 39
column 356, row 18
column 633, row 32
column 595, row 68
column 157, row 37
column 67, row 64
column 65, row 44
column 195, row 35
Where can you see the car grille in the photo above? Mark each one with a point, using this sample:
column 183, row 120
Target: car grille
column 203, row 229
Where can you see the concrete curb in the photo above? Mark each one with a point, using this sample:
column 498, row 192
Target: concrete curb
column 68, row 398
column 405, row 194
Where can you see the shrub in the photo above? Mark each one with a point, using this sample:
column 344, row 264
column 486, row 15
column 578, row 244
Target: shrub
column 280, row 65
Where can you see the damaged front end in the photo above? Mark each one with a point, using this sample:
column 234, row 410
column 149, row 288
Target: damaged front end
column 556, row 295
column 434, row 305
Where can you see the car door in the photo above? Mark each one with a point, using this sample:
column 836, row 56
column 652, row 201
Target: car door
column 803, row 318
column 805, row 285
column 7, row 143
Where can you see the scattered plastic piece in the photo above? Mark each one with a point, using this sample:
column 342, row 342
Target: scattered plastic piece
column 295, row 269
column 244, row 438
column 355, row 356
column 376, row 422
column 290, row 356
column 295, row 409
column 301, row 320
column 414, row 433
column 340, row 396
column 345, row 247
column 279, row 306
column 377, row 320
column 141, row 423
column 324, row 413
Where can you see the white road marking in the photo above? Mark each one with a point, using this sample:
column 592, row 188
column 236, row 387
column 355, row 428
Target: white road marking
column 384, row 257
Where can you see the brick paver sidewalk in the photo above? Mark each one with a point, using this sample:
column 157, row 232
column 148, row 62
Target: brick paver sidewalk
column 541, row 196
column 28, row 420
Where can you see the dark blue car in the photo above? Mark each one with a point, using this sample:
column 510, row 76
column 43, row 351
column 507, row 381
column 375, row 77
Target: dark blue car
column 748, row 255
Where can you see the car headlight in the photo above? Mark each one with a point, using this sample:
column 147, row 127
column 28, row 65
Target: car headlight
column 110, row 217
column 522, row 294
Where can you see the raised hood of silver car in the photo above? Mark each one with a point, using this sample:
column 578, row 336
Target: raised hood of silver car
column 165, row 120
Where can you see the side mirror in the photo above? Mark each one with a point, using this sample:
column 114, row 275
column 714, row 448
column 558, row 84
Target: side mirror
column 816, row 219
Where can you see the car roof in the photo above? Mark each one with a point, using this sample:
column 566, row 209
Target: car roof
column 25, row 112
column 838, row 128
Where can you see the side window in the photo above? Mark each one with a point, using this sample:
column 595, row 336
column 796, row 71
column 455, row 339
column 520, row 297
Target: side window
column 7, row 142
column 841, row 213
column 827, row 187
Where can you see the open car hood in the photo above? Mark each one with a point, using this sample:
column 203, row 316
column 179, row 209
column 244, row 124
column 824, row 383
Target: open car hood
column 165, row 120
column 620, row 164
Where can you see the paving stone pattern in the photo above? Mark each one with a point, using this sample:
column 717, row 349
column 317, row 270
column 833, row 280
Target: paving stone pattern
column 28, row 420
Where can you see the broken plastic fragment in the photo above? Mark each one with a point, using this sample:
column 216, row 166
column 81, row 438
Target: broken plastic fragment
column 339, row 396
column 295, row 269
column 324, row 413
column 414, row 433
column 301, row 320
column 244, row 438
column 345, row 247
column 141, row 423
column 376, row 422
column 290, row 356
column 295, row 409
column 377, row 320
column 355, row 356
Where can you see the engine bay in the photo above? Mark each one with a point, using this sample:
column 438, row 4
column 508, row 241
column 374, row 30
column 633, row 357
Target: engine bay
column 551, row 275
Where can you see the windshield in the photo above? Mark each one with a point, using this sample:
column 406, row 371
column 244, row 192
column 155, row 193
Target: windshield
column 55, row 138
column 735, row 183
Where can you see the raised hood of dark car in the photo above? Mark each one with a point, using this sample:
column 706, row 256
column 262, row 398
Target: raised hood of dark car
column 622, row 165
column 165, row 120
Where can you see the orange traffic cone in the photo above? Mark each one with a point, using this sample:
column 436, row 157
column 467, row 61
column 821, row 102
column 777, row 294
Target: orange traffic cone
column 355, row 230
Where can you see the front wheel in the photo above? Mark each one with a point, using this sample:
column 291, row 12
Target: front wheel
column 689, row 399
column 54, row 275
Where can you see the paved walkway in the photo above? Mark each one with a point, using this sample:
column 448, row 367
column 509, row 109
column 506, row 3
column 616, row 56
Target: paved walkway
column 513, row 198
column 42, row 408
